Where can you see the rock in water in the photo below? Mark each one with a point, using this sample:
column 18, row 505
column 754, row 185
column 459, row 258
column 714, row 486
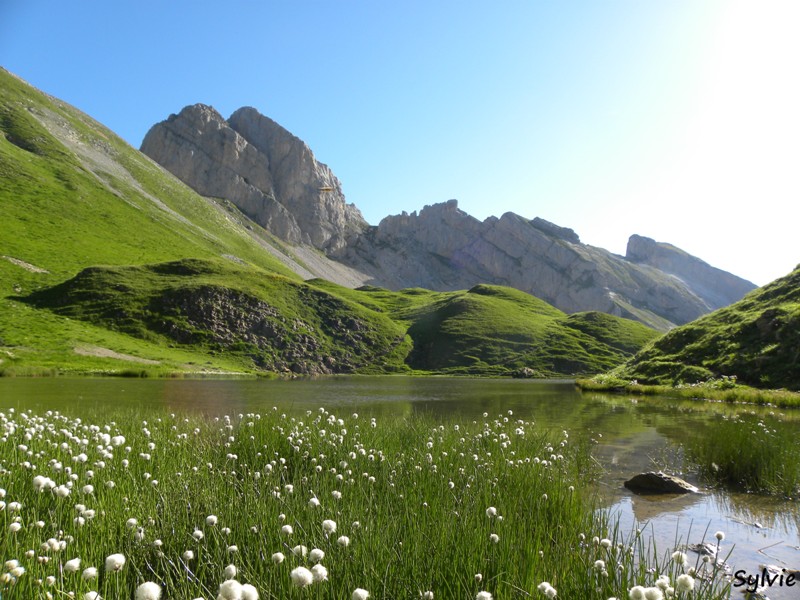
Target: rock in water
column 659, row 483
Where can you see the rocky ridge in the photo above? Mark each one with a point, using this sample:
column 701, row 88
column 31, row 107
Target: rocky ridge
column 269, row 174
column 273, row 177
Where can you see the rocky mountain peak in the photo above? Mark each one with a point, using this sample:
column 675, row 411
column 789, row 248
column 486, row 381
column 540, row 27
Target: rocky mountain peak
column 270, row 174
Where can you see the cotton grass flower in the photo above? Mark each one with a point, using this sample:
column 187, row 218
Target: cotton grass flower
column 316, row 555
column 483, row 596
column 278, row 558
column 148, row 591
column 115, row 562
column 343, row 541
column 720, row 535
column 684, row 583
column 679, row 557
column 249, row 592
column 72, row 566
column 320, row 573
column 230, row 590
column 329, row 526
column 360, row 594
column 230, row 572
column 89, row 573
column 302, row 577
column 287, row 530
column 92, row 596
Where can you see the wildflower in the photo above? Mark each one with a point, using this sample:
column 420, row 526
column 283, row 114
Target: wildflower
column 314, row 502
column 211, row 520
column 301, row 577
column 636, row 593
column 230, row 590
column 316, row 555
column 278, row 558
column 491, row 512
column 187, row 555
column 249, row 592
column 148, row 591
column 92, row 596
column 679, row 557
column 343, row 541
column 198, row 535
column 494, row 538
column 720, row 535
column 71, row 566
column 15, row 527
column 233, row 549
column 328, row 526
column 605, row 543
column 653, row 593
column 600, row 565
column 287, row 530
column 320, row 573
column 684, row 583
column 89, row 573
column 230, row 572
column 360, row 594
column 115, row 562
column 300, row 550
column 483, row 596
column 427, row 595
column 478, row 577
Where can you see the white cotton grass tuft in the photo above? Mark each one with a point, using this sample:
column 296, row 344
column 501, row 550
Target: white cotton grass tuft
column 720, row 535
column 491, row 512
column 72, row 566
column 301, row 577
column 679, row 557
column 249, row 592
column 684, row 583
column 319, row 573
column 115, row 562
column 343, row 541
column 230, row 590
column 329, row 526
column 483, row 596
column 230, row 572
column 149, row 590
column 278, row 558
column 360, row 594
column 92, row 596
column 89, row 573
column 300, row 550
column 316, row 555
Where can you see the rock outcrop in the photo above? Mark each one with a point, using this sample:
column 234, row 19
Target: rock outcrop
column 717, row 287
column 659, row 483
column 268, row 173
column 273, row 177
column 444, row 248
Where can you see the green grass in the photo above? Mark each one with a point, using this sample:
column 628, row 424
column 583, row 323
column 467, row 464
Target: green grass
column 750, row 453
column 755, row 340
column 412, row 495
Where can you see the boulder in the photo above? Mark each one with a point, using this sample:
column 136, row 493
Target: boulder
column 659, row 483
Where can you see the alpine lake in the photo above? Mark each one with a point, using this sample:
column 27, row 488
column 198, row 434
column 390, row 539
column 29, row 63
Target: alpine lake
column 628, row 435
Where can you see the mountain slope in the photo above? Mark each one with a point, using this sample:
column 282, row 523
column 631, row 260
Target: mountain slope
column 108, row 264
column 756, row 340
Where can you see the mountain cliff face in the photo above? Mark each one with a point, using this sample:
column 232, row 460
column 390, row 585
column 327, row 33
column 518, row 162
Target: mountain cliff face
column 442, row 247
column 268, row 173
column 273, row 177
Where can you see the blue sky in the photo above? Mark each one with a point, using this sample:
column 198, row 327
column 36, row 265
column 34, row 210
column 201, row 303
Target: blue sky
column 674, row 119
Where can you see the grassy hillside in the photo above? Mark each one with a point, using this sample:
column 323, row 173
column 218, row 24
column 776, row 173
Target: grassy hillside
column 494, row 329
column 757, row 340
column 110, row 265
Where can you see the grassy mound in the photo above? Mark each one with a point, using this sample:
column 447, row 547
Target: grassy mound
column 756, row 341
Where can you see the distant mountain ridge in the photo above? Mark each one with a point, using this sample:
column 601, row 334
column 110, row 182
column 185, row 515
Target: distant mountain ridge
column 273, row 177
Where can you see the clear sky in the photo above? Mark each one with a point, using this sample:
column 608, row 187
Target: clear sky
column 674, row 119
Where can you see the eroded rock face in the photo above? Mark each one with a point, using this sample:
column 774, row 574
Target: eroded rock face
column 444, row 248
column 271, row 175
column 717, row 287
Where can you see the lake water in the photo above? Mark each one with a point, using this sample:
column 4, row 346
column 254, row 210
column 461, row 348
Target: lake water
column 633, row 435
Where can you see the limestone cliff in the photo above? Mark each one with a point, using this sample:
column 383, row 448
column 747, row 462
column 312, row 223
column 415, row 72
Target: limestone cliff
column 444, row 248
column 273, row 177
column 268, row 173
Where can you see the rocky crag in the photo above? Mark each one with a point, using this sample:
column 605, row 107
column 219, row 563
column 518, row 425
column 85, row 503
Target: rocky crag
column 274, row 178
column 269, row 174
